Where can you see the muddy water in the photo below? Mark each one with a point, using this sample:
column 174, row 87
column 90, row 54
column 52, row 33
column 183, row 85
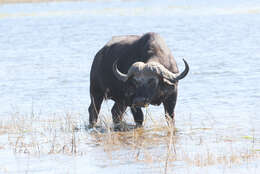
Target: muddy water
column 46, row 51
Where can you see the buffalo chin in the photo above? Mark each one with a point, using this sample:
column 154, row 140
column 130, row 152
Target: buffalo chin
column 140, row 106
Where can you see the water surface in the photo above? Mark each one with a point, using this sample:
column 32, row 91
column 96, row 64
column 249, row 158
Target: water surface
column 46, row 51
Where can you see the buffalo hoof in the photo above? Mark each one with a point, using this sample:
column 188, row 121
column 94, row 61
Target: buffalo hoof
column 138, row 125
column 95, row 129
column 90, row 126
column 123, row 127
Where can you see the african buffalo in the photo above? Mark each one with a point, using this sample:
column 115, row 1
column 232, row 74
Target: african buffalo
column 134, row 71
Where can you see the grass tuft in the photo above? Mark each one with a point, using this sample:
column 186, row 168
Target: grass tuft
column 156, row 142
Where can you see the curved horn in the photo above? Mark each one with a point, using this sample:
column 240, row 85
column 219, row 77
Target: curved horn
column 185, row 71
column 120, row 76
column 160, row 70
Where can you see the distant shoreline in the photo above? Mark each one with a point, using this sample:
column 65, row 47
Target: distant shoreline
column 35, row 1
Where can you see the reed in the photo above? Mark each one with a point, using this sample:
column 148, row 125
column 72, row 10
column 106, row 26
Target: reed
column 156, row 142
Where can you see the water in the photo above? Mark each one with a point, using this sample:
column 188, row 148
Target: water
column 46, row 51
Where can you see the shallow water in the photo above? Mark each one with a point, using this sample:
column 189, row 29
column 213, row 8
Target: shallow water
column 46, row 51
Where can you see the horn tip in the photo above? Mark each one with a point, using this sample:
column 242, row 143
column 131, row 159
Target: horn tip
column 186, row 63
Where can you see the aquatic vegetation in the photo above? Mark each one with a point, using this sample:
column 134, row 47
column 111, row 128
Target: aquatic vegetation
column 155, row 143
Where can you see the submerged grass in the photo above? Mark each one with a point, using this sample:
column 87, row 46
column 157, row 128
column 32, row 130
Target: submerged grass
column 157, row 142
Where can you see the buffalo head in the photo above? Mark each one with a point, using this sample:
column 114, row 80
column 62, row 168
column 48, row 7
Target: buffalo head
column 148, row 82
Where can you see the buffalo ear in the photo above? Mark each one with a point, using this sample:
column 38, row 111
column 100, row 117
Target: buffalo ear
column 130, row 87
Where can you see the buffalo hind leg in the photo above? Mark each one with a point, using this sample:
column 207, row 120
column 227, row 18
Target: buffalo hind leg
column 94, row 109
column 138, row 116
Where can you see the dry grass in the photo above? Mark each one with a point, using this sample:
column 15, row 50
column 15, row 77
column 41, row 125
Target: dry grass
column 155, row 143
column 37, row 136
column 164, row 145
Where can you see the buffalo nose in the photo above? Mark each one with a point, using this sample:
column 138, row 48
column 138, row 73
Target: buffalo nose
column 140, row 101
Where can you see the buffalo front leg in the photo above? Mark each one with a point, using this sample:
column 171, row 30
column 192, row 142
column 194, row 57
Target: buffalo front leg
column 117, row 115
column 169, row 106
column 138, row 116
column 118, row 112
column 94, row 109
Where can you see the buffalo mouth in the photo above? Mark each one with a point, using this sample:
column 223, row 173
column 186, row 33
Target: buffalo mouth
column 140, row 105
column 140, row 102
